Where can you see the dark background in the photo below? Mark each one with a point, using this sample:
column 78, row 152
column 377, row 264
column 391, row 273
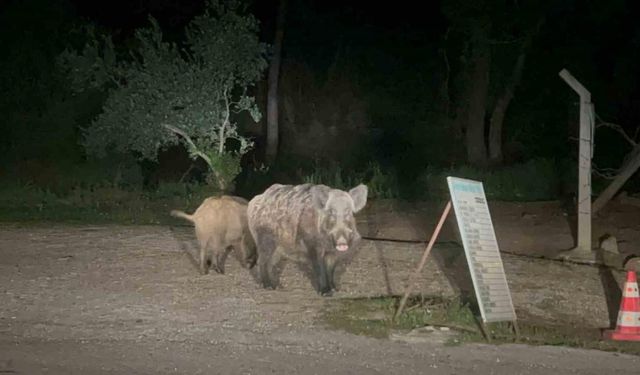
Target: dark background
column 381, row 61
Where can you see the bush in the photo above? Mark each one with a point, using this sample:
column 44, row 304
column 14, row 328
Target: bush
column 535, row 180
column 381, row 185
column 13, row 195
column 190, row 192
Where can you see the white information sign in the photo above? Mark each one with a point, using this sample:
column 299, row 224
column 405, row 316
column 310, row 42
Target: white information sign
column 481, row 249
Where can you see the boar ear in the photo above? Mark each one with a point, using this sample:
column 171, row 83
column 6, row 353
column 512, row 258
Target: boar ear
column 359, row 196
column 319, row 198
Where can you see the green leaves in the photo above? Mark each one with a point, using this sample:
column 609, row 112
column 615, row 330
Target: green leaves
column 197, row 89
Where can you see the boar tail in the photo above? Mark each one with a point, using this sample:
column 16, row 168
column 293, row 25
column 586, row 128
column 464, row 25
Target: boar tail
column 178, row 213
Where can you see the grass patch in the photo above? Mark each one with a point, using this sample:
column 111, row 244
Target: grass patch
column 99, row 204
column 373, row 317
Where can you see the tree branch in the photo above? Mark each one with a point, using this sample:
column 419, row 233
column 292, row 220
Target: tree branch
column 196, row 151
column 606, row 173
column 192, row 145
column 617, row 128
column 626, row 171
column 224, row 123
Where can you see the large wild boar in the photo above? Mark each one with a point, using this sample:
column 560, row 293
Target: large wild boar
column 305, row 222
column 221, row 226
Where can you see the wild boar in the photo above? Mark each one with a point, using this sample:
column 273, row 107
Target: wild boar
column 305, row 222
column 221, row 226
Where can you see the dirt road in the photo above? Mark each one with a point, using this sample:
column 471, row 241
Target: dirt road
column 128, row 300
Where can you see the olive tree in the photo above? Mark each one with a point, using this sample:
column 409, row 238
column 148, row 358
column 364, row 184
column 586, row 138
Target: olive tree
column 161, row 93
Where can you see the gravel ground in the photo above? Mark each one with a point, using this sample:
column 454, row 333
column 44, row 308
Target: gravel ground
column 128, row 299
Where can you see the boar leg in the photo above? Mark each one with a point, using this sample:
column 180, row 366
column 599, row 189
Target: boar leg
column 248, row 255
column 272, row 267
column 251, row 260
column 269, row 256
column 221, row 259
column 263, row 267
column 330, row 264
column 320, row 269
column 205, row 258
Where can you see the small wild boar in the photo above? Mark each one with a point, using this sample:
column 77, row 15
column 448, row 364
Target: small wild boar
column 221, row 226
column 305, row 222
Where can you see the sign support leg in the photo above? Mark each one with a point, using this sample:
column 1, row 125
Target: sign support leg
column 427, row 250
column 485, row 329
column 516, row 330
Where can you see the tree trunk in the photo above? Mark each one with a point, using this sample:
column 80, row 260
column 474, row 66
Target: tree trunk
column 444, row 96
column 627, row 171
column 272, row 95
column 500, row 110
column 458, row 108
column 475, row 137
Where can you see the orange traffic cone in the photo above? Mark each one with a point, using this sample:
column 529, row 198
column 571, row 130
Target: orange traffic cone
column 628, row 326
